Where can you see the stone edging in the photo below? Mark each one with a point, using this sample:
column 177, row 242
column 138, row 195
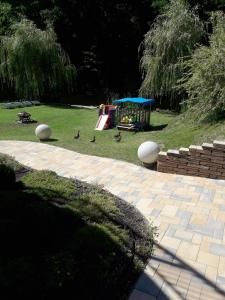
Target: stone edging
column 207, row 160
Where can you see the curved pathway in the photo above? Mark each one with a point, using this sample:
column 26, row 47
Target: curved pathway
column 189, row 259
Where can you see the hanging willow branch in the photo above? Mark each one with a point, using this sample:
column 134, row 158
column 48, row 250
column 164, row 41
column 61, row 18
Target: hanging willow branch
column 205, row 78
column 33, row 62
column 170, row 41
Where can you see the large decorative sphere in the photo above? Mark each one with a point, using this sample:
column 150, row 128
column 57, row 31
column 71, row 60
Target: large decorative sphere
column 148, row 152
column 43, row 132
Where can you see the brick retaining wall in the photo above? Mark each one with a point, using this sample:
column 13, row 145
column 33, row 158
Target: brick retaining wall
column 207, row 160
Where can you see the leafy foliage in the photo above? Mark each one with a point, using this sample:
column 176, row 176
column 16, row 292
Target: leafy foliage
column 208, row 5
column 102, row 37
column 159, row 4
column 33, row 62
column 7, row 16
column 170, row 41
column 204, row 5
column 204, row 82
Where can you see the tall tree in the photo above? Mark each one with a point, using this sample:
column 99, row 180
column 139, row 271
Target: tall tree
column 7, row 16
column 170, row 41
column 33, row 62
column 205, row 77
column 205, row 6
column 100, row 36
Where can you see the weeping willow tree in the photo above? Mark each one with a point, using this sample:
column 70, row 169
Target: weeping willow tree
column 32, row 62
column 205, row 78
column 170, row 41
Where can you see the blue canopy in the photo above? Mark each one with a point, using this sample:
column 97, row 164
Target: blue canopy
column 135, row 100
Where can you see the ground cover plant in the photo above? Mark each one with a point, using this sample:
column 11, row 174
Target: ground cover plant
column 61, row 237
column 168, row 129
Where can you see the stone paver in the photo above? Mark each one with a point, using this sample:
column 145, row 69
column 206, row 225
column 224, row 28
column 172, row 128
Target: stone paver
column 189, row 212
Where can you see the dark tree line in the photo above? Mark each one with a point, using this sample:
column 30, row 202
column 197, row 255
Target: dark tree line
column 102, row 37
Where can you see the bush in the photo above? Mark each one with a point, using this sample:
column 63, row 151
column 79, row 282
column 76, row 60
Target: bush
column 7, row 177
column 10, row 161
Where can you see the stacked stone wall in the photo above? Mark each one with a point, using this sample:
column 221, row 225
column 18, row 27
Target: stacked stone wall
column 207, row 160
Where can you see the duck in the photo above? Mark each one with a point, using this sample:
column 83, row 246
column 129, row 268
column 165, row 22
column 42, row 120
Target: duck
column 118, row 139
column 78, row 135
column 117, row 135
column 93, row 140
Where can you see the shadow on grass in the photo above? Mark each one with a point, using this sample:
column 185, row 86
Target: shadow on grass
column 54, row 252
column 64, row 106
column 141, row 235
column 55, row 104
column 158, row 127
column 49, row 140
column 69, row 106
column 170, row 113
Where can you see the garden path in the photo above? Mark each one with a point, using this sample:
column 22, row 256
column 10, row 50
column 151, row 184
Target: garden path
column 189, row 257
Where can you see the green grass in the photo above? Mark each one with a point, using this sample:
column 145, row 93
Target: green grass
column 83, row 248
column 65, row 122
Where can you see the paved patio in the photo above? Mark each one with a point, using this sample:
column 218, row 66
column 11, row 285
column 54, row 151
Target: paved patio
column 189, row 259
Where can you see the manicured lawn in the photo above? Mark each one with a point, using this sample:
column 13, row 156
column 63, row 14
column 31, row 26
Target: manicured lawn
column 66, row 121
column 81, row 247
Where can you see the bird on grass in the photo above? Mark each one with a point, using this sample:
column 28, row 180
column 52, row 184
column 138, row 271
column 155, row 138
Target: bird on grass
column 93, row 140
column 117, row 135
column 77, row 135
column 118, row 139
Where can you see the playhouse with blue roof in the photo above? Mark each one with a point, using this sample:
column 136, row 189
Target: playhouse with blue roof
column 133, row 113
column 127, row 114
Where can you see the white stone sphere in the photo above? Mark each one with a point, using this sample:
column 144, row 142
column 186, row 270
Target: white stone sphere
column 148, row 152
column 43, row 132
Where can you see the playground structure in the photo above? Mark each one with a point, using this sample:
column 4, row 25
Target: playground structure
column 126, row 114
column 133, row 113
column 106, row 118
